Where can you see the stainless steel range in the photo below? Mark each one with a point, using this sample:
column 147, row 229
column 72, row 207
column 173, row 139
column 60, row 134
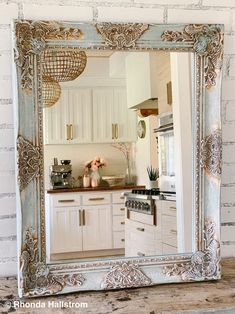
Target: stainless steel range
column 142, row 202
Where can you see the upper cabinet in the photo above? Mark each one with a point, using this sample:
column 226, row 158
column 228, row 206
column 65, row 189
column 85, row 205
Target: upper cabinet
column 141, row 80
column 69, row 120
column 90, row 115
column 112, row 120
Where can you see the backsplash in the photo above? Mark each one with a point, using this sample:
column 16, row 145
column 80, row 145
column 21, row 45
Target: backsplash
column 79, row 154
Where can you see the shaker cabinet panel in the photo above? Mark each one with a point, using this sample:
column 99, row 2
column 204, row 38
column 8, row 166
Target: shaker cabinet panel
column 80, row 115
column 55, row 120
column 102, row 115
column 69, row 121
column 66, row 230
column 97, row 234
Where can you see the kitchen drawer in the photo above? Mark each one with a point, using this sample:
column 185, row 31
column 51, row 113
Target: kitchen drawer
column 171, row 240
column 169, row 208
column 96, row 198
column 169, row 226
column 168, row 249
column 118, row 239
column 118, row 223
column 118, row 197
column 118, row 209
column 66, row 199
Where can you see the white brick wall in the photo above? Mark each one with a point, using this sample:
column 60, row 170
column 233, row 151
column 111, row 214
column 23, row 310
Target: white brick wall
column 158, row 11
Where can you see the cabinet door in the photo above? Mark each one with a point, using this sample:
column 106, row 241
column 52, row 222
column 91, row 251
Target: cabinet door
column 102, row 115
column 66, row 232
column 125, row 119
column 80, row 115
column 97, row 228
column 55, row 119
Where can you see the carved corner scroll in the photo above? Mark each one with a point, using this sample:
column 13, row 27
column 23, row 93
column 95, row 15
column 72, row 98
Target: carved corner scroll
column 207, row 41
column 125, row 275
column 211, row 153
column 121, row 36
column 204, row 265
column 36, row 278
column 31, row 39
column 29, row 162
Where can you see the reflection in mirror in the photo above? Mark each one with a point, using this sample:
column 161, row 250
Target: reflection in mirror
column 124, row 113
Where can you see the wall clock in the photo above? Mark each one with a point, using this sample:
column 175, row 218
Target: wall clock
column 141, row 129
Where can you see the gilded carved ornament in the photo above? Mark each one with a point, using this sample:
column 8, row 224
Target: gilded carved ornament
column 31, row 37
column 211, row 153
column 36, row 278
column 207, row 41
column 121, row 36
column 29, row 161
column 125, row 275
column 204, row 264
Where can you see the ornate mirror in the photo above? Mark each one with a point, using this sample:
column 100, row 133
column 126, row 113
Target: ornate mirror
column 50, row 57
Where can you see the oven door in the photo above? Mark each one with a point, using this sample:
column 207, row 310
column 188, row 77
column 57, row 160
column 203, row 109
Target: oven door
column 166, row 161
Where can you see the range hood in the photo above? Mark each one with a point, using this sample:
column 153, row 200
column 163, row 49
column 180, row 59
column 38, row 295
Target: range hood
column 141, row 80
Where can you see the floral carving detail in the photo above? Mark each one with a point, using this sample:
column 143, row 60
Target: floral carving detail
column 121, row 36
column 31, row 37
column 207, row 42
column 204, row 264
column 125, row 275
column 211, row 153
column 36, row 278
column 29, row 162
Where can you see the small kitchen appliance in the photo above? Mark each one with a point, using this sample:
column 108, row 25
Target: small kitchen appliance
column 61, row 175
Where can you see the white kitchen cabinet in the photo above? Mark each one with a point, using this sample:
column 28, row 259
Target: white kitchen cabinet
column 97, row 232
column 112, row 121
column 69, row 121
column 84, row 222
column 66, row 230
column 90, row 115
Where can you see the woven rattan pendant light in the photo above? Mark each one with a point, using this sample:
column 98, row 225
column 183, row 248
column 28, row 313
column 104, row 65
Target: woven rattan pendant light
column 51, row 91
column 63, row 65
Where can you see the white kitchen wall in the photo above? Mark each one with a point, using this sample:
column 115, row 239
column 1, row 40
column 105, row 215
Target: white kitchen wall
column 151, row 11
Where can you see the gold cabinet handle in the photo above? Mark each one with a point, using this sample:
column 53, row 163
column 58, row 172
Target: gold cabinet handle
column 68, row 131
column 71, row 131
column 83, row 217
column 122, row 197
column 122, row 222
column 80, row 217
column 140, row 229
column 123, row 240
column 172, row 208
column 173, row 231
column 116, row 130
column 122, row 208
column 113, row 131
column 66, row 201
column 96, row 199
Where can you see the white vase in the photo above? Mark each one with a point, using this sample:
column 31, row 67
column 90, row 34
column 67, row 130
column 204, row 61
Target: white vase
column 153, row 184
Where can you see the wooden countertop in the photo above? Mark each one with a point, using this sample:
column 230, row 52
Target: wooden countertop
column 99, row 188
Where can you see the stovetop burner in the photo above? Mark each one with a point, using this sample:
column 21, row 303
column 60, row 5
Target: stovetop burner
column 146, row 191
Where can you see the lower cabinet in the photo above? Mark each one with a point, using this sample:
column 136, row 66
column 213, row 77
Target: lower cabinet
column 80, row 222
column 66, row 230
column 97, row 232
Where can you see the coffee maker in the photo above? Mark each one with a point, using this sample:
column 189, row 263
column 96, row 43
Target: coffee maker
column 61, row 175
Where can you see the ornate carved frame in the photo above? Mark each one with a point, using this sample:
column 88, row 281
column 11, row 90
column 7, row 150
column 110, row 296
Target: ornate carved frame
column 35, row 276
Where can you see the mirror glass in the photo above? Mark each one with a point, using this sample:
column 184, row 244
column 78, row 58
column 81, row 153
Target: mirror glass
column 118, row 155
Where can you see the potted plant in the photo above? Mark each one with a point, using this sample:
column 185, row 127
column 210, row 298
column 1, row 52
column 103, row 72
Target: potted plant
column 153, row 174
